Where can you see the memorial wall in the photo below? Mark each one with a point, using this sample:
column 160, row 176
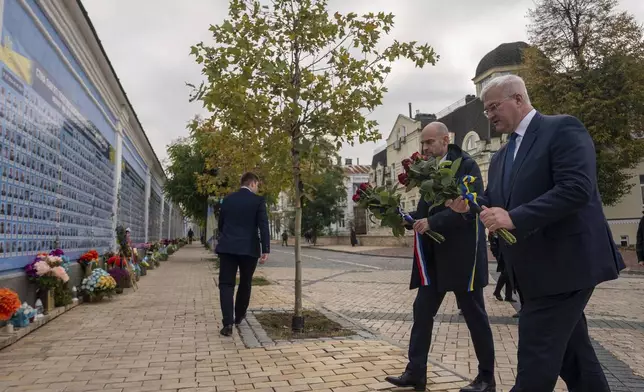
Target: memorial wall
column 58, row 151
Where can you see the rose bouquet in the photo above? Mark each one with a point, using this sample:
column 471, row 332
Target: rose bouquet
column 117, row 261
column 437, row 183
column 89, row 259
column 9, row 304
column 98, row 283
column 384, row 204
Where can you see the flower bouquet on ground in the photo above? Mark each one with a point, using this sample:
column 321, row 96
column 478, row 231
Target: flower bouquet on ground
column 23, row 316
column 9, row 304
column 120, row 263
column 437, row 183
column 48, row 272
column 384, row 204
column 122, row 278
column 89, row 261
column 97, row 285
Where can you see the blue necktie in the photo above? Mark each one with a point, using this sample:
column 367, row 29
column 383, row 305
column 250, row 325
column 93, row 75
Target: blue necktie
column 509, row 161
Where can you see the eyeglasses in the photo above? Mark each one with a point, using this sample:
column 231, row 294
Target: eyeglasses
column 493, row 107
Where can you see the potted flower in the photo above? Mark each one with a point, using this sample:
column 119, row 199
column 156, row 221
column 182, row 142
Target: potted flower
column 48, row 273
column 9, row 305
column 117, row 262
column 122, row 278
column 97, row 285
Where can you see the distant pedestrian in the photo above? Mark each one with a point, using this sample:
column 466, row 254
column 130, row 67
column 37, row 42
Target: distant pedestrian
column 284, row 239
column 354, row 237
column 191, row 234
column 503, row 280
column 242, row 214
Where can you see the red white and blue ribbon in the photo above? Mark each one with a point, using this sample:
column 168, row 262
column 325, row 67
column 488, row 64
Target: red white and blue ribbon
column 421, row 262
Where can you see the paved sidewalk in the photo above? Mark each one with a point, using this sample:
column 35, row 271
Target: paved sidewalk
column 164, row 337
column 382, row 302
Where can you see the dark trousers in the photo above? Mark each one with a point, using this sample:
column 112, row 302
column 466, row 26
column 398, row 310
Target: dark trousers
column 504, row 280
column 228, row 265
column 553, row 341
column 426, row 305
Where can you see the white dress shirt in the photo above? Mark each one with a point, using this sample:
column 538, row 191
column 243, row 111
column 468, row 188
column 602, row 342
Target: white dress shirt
column 522, row 128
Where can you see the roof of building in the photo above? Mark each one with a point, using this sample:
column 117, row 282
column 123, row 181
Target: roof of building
column 379, row 158
column 466, row 118
column 510, row 53
column 356, row 169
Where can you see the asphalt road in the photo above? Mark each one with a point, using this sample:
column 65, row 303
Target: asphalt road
column 315, row 258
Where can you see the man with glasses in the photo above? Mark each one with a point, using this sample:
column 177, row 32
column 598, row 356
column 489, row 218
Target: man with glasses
column 543, row 187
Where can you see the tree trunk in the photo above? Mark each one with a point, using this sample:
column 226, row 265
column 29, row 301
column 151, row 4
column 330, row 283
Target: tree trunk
column 298, row 320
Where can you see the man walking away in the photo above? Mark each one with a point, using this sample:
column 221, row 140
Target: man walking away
column 242, row 214
column 284, row 239
column 191, row 234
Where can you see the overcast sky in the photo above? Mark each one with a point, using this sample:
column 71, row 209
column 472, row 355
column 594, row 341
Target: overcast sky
column 148, row 42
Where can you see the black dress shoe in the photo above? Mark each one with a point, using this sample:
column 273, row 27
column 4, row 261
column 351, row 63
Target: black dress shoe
column 419, row 383
column 510, row 300
column 480, row 384
column 498, row 297
column 227, row 330
column 516, row 315
column 238, row 320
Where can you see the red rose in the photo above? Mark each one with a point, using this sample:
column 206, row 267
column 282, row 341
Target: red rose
column 364, row 186
column 356, row 197
column 403, row 178
column 406, row 163
column 415, row 156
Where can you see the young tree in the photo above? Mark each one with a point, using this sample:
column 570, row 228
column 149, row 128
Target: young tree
column 185, row 163
column 292, row 75
column 588, row 61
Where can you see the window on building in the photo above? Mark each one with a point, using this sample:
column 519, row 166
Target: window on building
column 623, row 240
column 470, row 144
column 413, row 203
column 341, row 221
column 393, row 172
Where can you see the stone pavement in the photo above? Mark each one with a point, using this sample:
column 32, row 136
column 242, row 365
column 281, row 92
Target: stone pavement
column 164, row 337
column 382, row 302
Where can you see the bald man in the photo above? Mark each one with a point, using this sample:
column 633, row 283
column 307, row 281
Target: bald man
column 458, row 265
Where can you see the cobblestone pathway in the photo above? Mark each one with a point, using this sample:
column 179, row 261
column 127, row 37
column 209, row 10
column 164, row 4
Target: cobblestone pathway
column 382, row 302
column 164, row 337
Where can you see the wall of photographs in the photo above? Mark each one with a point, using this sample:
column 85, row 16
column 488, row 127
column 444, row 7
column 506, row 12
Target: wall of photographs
column 131, row 210
column 154, row 220
column 166, row 220
column 57, row 155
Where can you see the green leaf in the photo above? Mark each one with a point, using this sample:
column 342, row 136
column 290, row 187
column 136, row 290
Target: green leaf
column 455, row 165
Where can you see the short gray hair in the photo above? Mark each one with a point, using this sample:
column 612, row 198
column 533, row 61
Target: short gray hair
column 511, row 84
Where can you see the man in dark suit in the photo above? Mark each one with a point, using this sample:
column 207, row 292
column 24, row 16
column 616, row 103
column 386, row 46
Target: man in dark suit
column 458, row 265
column 543, row 187
column 242, row 215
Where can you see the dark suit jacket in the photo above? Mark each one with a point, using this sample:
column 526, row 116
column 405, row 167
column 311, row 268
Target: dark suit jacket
column 242, row 215
column 564, row 242
column 451, row 264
